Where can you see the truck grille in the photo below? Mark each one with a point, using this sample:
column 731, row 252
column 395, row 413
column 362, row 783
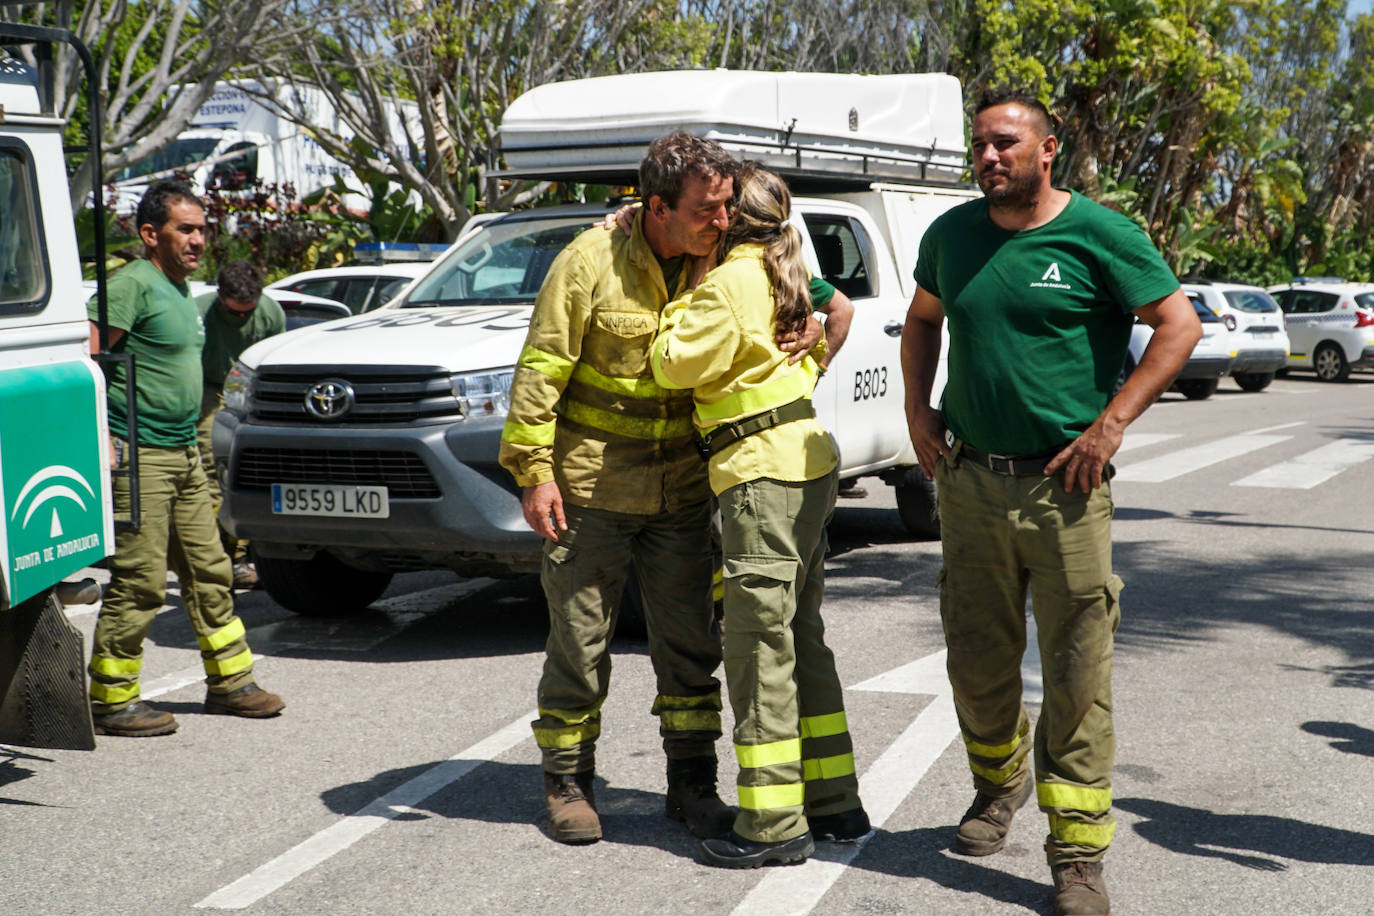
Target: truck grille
column 402, row 473
column 381, row 395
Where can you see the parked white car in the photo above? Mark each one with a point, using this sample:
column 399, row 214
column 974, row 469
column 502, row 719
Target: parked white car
column 1330, row 325
column 1210, row 360
column 1256, row 325
column 361, row 287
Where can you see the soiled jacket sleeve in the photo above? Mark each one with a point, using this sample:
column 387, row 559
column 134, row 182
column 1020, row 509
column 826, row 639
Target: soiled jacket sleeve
column 552, row 347
column 698, row 338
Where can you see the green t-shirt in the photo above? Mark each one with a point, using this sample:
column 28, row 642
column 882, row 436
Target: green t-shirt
column 1038, row 319
column 227, row 334
column 163, row 331
column 821, row 293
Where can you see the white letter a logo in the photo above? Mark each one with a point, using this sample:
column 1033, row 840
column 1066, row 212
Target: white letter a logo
column 1052, row 273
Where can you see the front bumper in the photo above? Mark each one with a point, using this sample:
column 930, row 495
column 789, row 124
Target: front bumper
column 450, row 503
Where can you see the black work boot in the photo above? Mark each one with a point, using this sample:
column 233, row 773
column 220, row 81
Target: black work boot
column 983, row 828
column 572, row 807
column 845, row 827
column 137, row 720
column 1080, row 890
column 734, row 851
column 692, row 797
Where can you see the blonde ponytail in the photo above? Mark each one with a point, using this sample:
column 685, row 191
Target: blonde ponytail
column 761, row 213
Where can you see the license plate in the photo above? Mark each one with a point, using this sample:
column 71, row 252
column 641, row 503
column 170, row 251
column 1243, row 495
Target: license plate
column 325, row 499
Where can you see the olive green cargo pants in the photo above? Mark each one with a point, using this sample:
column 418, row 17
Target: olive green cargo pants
column 791, row 735
column 1002, row 535
column 583, row 577
column 173, row 490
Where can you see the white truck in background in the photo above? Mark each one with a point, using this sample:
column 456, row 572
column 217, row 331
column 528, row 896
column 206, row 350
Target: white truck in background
column 357, row 448
column 236, row 140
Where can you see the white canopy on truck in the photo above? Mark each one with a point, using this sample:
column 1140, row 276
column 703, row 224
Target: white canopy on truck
column 829, row 128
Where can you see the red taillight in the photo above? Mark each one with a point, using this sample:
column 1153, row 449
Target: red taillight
column 1363, row 319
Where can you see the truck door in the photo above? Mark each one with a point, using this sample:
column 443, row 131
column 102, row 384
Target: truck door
column 863, row 388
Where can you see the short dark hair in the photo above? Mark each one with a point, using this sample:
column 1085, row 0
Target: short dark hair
column 240, row 281
column 156, row 206
column 677, row 156
column 1003, row 95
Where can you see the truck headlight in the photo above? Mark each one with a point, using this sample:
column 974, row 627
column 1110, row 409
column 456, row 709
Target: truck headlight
column 238, row 389
column 483, row 394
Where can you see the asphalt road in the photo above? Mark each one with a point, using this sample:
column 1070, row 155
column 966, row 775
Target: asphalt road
column 403, row 778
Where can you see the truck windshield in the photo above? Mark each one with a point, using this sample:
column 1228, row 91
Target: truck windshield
column 503, row 263
column 181, row 154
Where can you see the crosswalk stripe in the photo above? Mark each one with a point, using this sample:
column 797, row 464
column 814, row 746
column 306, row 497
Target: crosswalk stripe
column 1184, row 461
column 1306, row 471
column 1141, row 440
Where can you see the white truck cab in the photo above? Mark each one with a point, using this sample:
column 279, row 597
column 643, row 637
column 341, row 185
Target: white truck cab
column 355, row 448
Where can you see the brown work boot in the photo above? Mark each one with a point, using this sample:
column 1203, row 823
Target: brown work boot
column 1080, row 890
column 249, row 701
column 692, row 797
column 137, row 720
column 983, row 828
column 572, row 807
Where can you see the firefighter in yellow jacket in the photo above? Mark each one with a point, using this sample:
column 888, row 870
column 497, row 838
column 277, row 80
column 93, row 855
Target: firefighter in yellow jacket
column 773, row 469
column 610, row 473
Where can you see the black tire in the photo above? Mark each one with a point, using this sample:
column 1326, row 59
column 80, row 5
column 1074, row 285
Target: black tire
column 1197, row 389
column 917, row 506
column 1330, row 362
column 320, row 586
column 1253, row 381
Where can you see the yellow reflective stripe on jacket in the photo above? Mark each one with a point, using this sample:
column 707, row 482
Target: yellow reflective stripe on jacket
column 631, row 427
column 824, row 726
column 644, row 389
column 232, row 665
column 113, row 696
column 828, row 767
column 763, row 798
column 116, row 667
column 771, row 754
column 995, row 775
column 1075, row 798
column 528, row 433
column 689, row 720
column 1079, row 834
column 750, row 401
column 546, row 363
column 223, row 636
column 995, row 750
column 571, row 736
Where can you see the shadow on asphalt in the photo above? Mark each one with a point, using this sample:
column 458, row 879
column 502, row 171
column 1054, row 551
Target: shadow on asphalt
column 1349, row 738
column 1236, row 837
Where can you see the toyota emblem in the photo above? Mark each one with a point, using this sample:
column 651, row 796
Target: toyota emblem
column 330, row 399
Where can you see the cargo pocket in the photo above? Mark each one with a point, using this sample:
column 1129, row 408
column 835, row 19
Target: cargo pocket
column 760, row 594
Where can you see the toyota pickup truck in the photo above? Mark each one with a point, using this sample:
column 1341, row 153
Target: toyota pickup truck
column 354, row 449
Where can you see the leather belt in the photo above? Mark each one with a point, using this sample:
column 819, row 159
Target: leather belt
column 729, row 433
column 1013, row 465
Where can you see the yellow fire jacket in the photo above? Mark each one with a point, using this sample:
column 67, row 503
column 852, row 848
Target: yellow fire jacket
column 585, row 410
column 718, row 340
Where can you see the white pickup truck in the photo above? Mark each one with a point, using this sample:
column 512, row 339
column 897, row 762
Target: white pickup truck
column 357, row 448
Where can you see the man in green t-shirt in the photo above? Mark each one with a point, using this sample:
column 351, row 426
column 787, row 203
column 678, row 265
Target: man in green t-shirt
column 1039, row 286
column 236, row 316
column 152, row 316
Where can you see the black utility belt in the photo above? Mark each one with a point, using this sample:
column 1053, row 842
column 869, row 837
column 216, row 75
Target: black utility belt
column 1014, row 465
column 729, row 433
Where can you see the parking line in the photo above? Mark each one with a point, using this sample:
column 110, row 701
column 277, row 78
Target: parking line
column 335, row 839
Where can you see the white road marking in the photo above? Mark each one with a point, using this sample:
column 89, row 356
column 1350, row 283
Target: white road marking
column 335, row 839
column 1274, row 429
column 1318, row 466
column 1184, row 461
column 796, row 891
column 1141, row 440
